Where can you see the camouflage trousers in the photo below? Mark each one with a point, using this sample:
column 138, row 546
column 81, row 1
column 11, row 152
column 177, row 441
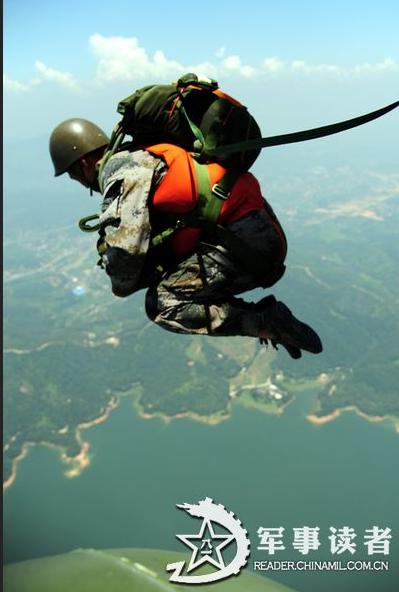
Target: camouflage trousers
column 198, row 295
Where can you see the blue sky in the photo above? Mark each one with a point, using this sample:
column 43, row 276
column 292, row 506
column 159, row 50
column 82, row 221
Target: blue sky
column 295, row 64
column 348, row 32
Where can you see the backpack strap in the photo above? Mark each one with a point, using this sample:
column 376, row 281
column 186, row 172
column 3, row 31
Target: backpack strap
column 211, row 199
column 311, row 134
column 199, row 142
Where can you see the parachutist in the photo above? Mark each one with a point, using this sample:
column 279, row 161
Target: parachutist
column 181, row 215
column 193, row 276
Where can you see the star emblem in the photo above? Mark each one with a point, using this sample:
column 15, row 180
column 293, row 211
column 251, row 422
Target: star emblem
column 205, row 546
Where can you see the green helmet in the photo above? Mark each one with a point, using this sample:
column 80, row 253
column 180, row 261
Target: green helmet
column 71, row 140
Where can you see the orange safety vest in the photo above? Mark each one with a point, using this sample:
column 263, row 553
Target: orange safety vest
column 178, row 194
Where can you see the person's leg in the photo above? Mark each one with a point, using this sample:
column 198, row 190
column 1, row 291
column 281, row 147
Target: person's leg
column 198, row 296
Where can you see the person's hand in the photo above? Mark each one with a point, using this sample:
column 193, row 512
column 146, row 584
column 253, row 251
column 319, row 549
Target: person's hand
column 122, row 270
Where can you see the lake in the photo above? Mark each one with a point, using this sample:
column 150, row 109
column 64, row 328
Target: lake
column 270, row 470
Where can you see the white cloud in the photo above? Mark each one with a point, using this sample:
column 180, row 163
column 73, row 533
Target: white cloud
column 232, row 64
column 14, row 85
column 117, row 56
column 386, row 65
column 44, row 73
column 275, row 65
column 272, row 64
column 63, row 78
column 304, row 67
column 122, row 58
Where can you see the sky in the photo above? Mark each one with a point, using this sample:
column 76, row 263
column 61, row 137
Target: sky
column 295, row 64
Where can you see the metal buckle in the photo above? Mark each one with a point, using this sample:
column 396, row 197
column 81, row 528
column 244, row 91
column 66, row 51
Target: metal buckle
column 219, row 192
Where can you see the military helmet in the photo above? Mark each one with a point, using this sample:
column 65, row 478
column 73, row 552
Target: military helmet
column 71, row 140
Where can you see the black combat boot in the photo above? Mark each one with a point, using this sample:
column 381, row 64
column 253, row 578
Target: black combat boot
column 281, row 327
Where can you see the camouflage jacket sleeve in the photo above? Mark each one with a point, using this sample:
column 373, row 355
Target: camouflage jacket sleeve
column 128, row 178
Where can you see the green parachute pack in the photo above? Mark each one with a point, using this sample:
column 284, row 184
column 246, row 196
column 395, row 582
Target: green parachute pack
column 195, row 114
column 192, row 113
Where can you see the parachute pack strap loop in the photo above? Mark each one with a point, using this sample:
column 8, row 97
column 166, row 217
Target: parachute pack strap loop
column 194, row 128
column 302, row 136
column 85, row 227
column 211, row 141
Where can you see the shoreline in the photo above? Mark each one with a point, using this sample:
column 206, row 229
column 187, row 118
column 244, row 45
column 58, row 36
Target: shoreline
column 78, row 462
column 277, row 411
column 11, row 479
column 82, row 460
column 322, row 419
column 208, row 419
column 214, row 419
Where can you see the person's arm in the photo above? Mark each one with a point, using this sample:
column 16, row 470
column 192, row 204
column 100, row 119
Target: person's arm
column 129, row 242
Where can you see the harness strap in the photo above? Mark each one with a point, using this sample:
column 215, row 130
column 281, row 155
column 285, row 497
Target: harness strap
column 211, row 199
column 206, row 211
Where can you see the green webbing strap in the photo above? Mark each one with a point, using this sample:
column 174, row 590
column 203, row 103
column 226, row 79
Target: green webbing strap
column 85, row 227
column 302, row 136
column 200, row 142
column 211, row 199
column 208, row 206
column 165, row 234
column 212, row 139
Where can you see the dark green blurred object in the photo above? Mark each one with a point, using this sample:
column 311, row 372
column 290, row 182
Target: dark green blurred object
column 116, row 570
